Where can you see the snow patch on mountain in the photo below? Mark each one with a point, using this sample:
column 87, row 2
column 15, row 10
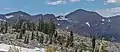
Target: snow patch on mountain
column 21, row 15
column 58, row 24
column 63, row 18
column 109, row 20
column 10, row 16
column 87, row 23
column 103, row 19
column 67, row 27
column 2, row 20
column 102, row 23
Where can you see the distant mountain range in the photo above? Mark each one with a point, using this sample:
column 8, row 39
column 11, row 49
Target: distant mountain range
column 79, row 21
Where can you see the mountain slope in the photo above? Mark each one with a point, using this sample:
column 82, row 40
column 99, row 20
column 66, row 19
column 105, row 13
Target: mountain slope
column 79, row 21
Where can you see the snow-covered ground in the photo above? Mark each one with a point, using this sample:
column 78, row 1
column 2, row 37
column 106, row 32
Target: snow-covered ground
column 5, row 48
column 10, row 16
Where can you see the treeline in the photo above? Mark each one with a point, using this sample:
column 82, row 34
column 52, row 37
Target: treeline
column 47, row 27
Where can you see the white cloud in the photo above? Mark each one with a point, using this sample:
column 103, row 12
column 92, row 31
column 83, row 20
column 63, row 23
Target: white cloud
column 56, row 2
column 109, row 11
column 74, row 0
column 7, row 8
column 112, row 1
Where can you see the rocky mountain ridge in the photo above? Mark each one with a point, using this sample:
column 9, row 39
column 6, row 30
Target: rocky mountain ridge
column 79, row 21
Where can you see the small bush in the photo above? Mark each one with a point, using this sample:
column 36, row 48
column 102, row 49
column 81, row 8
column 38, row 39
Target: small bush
column 13, row 49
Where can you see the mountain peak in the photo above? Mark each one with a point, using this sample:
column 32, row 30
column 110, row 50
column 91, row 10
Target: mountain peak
column 81, row 10
column 18, row 12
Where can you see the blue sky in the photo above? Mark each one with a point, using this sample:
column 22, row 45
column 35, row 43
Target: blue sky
column 60, row 6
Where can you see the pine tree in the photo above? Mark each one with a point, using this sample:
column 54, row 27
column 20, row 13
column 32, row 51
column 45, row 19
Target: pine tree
column 32, row 37
column 26, row 41
column 41, row 25
column 6, row 27
column 52, row 27
column 93, row 43
column 56, row 34
column 33, row 26
column 28, row 27
column 51, row 30
column 17, row 37
column 20, row 36
column 37, row 36
column 22, row 31
column 2, row 27
column 71, row 38
column 19, row 24
column 45, row 27
column 23, row 28
column 55, row 37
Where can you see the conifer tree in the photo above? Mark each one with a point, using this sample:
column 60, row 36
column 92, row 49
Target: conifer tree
column 52, row 27
column 6, row 27
column 17, row 37
column 28, row 27
column 19, row 23
column 23, row 28
column 22, row 31
column 46, row 27
column 26, row 41
column 41, row 25
column 20, row 36
column 33, row 26
column 55, row 36
column 2, row 27
column 37, row 36
column 70, row 40
column 93, row 43
column 32, row 37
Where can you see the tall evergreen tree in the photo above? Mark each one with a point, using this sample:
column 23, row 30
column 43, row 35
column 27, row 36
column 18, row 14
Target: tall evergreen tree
column 45, row 27
column 20, row 36
column 26, row 41
column 32, row 37
column 71, row 38
column 56, row 34
column 2, row 27
column 6, row 27
column 22, row 31
column 28, row 25
column 41, row 25
column 37, row 36
column 33, row 26
column 93, row 43
column 55, row 37
column 23, row 28
column 17, row 37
